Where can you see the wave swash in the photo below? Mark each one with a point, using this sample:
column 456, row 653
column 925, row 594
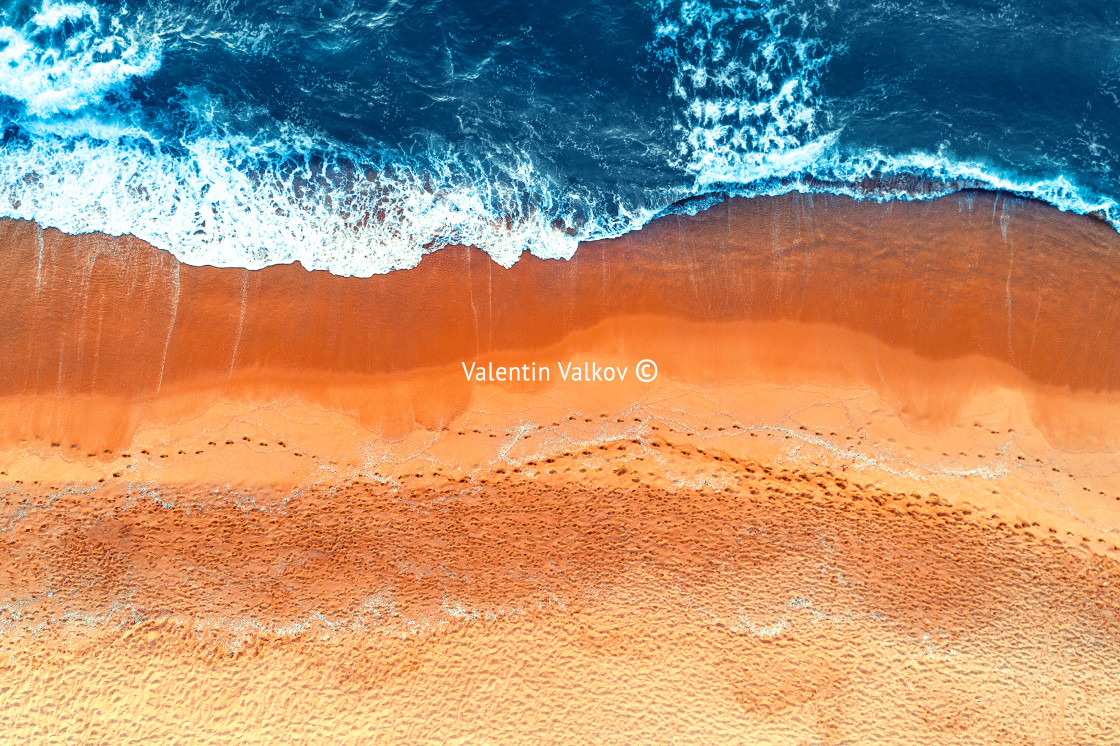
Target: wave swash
column 740, row 99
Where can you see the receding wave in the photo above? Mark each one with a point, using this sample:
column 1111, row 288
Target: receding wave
column 749, row 118
column 235, row 203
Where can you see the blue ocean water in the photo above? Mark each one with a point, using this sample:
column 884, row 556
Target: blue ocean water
column 355, row 136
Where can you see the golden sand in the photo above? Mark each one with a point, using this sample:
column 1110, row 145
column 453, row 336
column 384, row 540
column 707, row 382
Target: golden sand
column 871, row 497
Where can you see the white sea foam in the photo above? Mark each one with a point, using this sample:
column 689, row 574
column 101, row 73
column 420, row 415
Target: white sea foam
column 751, row 121
column 65, row 58
column 748, row 82
column 230, row 202
column 84, row 165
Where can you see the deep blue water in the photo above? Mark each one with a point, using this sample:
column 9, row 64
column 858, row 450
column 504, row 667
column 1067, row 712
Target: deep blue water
column 355, row 136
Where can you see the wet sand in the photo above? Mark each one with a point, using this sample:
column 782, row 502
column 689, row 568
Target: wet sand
column 872, row 495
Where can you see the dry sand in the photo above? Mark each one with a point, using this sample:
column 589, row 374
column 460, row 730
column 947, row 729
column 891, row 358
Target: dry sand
column 872, row 496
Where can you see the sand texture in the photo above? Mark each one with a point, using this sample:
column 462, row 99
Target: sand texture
column 872, row 496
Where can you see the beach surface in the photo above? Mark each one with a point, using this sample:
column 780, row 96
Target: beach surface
column 872, row 494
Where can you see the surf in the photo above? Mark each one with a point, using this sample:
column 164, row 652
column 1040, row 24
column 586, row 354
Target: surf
column 727, row 100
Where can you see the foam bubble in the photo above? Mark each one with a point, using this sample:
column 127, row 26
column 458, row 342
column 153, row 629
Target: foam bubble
column 65, row 58
column 751, row 121
column 748, row 78
column 873, row 174
column 229, row 201
column 82, row 160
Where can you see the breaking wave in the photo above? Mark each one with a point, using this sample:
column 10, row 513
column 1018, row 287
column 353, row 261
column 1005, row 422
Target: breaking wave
column 98, row 134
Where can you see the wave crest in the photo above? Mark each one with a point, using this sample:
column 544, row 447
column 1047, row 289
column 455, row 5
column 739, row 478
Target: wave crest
column 751, row 119
column 66, row 58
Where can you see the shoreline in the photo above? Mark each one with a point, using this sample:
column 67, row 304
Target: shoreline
column 843, row 477
column 96, row 318
column 785, row 316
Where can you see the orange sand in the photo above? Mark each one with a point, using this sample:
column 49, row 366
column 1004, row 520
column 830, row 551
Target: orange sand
column 872, row 496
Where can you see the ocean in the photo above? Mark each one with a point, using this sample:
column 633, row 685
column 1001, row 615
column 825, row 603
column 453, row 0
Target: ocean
column 357, row 136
